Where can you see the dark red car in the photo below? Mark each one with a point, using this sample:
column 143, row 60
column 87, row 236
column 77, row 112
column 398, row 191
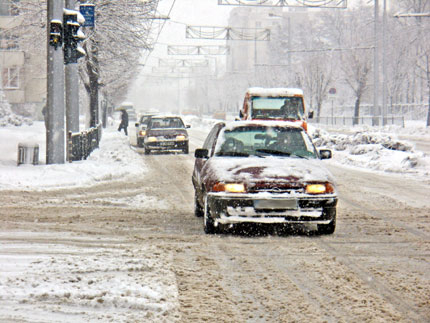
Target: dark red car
column 166, row 133
column 266, row 172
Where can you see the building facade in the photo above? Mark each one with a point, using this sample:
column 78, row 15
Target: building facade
column 23, row 74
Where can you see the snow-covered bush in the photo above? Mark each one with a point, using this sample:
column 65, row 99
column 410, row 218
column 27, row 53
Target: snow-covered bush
column 7, row 117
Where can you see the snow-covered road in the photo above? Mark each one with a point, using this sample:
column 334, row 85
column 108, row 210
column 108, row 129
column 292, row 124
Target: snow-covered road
column 131, row 250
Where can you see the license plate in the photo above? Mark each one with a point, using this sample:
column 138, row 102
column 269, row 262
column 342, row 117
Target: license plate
column 275, row 204
column 166, row 144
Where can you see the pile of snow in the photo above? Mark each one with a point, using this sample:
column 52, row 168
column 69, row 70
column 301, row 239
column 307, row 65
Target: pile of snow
column 7, row 117
column 113, row 160
column 373, row 150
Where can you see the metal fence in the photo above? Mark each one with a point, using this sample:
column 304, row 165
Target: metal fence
column 365, row 120
column 81, row 144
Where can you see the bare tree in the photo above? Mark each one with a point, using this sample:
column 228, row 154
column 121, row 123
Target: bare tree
column 113, row 46
column 352, row 31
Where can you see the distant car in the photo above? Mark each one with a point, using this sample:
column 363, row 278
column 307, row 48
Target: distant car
column 141, row 128
column 266, row 172
column 167, row 133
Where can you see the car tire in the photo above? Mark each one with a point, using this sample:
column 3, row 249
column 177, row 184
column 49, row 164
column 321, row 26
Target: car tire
column 186, row 149
column 139, row 143
column 327, row 228
column 208, row 223
column 147, row 151
column 198, row 210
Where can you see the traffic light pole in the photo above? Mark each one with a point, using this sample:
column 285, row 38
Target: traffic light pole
column 55, row 137
column 72, row 89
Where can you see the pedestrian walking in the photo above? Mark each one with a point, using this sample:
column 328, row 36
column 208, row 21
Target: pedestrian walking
column 124, row 122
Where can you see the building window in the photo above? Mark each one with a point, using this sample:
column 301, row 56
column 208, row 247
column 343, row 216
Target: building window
column 9, row 7
column 10, row 77
column 8, row 42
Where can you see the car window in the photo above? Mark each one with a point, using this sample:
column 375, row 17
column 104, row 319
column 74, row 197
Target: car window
column 263, row 140
column 166, row 123
column 211, row 139
column 277, row 107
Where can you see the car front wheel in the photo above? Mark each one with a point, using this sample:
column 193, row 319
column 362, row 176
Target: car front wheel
column 186, row 149
column 327, row 228
column 208, row 222
column 198, row 210
column 147, row 151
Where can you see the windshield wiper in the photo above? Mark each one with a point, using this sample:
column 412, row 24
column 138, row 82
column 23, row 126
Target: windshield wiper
column 273, row 152
column 279, row 153
column 232, row 153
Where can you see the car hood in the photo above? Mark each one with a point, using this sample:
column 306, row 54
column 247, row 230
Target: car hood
column 265, row 169
column 167, row 132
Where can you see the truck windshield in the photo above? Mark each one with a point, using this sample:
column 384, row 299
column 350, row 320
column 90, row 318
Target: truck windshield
column 277, row 108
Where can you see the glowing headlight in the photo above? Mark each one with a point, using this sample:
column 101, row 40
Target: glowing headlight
column 319, row 188
column 231, row 187
column 151, row 139
column 181, row 137
column 142, row 133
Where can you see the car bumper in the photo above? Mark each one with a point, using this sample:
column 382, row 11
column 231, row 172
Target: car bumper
column 255, row 208
column 167, row 145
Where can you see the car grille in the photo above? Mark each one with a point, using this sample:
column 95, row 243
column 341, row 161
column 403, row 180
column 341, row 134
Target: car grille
column 170, row 137
column 276, row 190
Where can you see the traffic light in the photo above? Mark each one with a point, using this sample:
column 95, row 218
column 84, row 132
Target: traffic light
column 72, row 35
column 55, row 33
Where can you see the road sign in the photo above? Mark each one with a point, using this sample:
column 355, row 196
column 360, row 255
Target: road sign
column 87, row 10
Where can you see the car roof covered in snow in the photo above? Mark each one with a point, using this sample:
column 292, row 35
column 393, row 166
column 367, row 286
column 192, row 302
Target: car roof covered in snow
column 261, row 91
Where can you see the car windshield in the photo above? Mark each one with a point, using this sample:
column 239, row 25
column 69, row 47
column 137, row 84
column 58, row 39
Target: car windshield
column 277, row 108
column 263, row 141
column 166, row 123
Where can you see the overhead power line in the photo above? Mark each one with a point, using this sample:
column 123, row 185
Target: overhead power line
column 227, row 33
column 183, row 62
column 197, row 50
column 341, row 4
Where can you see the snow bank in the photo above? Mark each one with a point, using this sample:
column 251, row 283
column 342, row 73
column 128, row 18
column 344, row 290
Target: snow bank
column 113, row 160
column 374, row 150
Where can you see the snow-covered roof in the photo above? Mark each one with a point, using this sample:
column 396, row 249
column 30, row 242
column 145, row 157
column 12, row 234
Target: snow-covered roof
column 261, row 91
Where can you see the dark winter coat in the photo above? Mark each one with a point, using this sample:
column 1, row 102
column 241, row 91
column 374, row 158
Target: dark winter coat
column 124, row 118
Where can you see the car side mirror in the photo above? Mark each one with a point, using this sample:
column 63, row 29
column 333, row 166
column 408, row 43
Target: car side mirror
column 188, row 126
column 136, row 124
column 325, row 153
column 240, row 114
column 201, row 153
column 310, row 114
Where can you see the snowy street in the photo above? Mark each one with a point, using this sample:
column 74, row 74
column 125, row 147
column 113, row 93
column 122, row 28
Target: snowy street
column 129, row 249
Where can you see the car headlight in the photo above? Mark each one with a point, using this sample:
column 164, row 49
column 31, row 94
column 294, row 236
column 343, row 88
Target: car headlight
column 230, row 187
column 151, row 139
column 142, row 133
column 181, row 137
column 319, row 188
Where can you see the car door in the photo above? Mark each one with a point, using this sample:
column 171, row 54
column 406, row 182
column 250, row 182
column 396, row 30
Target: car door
column 209, row 144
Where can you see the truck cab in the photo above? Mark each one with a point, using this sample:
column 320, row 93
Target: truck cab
column 285, row 104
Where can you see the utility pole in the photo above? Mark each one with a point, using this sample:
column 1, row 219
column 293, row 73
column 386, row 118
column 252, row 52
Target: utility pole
column 376, row 61
column 384, row 64
column 72, row 88
column 55, row 137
